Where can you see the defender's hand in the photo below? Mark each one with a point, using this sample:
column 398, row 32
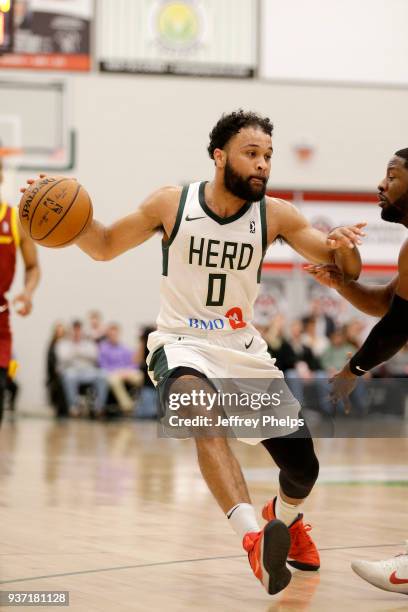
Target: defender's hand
column 343, row 383
column 328, row 275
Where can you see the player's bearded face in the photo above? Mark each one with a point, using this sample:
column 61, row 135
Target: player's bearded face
column 242, row 187
column 395, row 212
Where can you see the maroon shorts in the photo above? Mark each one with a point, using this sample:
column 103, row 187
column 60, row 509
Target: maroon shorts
column 5, row 339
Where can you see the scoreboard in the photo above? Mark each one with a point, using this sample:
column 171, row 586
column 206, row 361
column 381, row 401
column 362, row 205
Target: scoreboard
column 6, row 25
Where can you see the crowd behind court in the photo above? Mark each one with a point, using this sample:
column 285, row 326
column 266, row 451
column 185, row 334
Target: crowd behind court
column 92, row 372
column 311, row 349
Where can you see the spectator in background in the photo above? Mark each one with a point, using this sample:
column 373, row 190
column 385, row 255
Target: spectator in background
column 353, row 331
column 147, row 402
column 95, row 328
column 324, row 323
column 336, row 354
column 312, row 338
column 56, row 394
column 77, row 359
column 119, row 365
column 303, row 360
column 306, row 368
column 278, row 346
column 333, row 360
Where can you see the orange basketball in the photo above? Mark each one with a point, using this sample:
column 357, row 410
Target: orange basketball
column 55, row 211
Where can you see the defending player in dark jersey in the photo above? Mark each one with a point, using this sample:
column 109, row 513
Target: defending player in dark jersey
column 387, row 337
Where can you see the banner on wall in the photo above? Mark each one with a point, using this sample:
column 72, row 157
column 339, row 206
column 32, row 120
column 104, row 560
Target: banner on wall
column 190, row 37
column 51, row 35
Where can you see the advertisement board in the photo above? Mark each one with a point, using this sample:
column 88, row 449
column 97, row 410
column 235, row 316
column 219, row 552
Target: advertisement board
column 51, row 35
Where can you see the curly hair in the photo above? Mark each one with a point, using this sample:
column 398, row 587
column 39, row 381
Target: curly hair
column 404, row 154
column 229, row 125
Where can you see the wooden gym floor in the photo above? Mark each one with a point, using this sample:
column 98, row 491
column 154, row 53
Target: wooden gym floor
column 123, row 521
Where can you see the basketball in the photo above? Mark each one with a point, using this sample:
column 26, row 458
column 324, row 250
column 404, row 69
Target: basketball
column 55, row 211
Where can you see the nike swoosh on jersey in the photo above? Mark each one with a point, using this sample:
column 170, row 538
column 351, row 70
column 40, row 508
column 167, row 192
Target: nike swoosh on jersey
column 361, row 370
column 395, row 580
column 248, row 345
column 188, row 218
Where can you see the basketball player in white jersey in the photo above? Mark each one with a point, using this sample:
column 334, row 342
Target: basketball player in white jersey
column 387, row 337
column 215, row 236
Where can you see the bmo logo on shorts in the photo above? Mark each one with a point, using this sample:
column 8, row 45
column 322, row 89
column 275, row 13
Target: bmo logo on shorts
column 209, row 325
column 234, row 317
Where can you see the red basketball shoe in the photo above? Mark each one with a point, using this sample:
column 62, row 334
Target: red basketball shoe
column 303, row 553
column 267, row 553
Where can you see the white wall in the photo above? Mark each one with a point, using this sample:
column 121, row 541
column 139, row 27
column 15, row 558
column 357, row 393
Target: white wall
column 138, row 133
column 335, row 40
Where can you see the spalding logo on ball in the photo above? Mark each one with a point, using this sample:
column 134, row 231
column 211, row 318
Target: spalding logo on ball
column 55, row 211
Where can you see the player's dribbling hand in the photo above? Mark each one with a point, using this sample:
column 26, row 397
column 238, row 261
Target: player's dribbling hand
column 30, row 181
column 23, row 304
column 346, row 237
column 329, row 275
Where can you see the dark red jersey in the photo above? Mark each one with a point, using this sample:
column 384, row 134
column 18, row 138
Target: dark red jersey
column 9, row 241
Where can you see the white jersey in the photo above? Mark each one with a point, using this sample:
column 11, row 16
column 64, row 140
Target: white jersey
column 211, row 274
column 211, row 267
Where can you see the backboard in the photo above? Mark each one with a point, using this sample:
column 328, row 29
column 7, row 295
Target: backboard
column 34, row 117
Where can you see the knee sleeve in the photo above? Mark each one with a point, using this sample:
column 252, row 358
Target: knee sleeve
column 297, row 481
column 299, row 466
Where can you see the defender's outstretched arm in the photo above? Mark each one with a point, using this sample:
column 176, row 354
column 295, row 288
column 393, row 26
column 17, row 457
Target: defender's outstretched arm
column 373, row 300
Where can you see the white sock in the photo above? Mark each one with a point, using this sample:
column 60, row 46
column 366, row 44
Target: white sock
column 243, row 519
column 286, row 512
